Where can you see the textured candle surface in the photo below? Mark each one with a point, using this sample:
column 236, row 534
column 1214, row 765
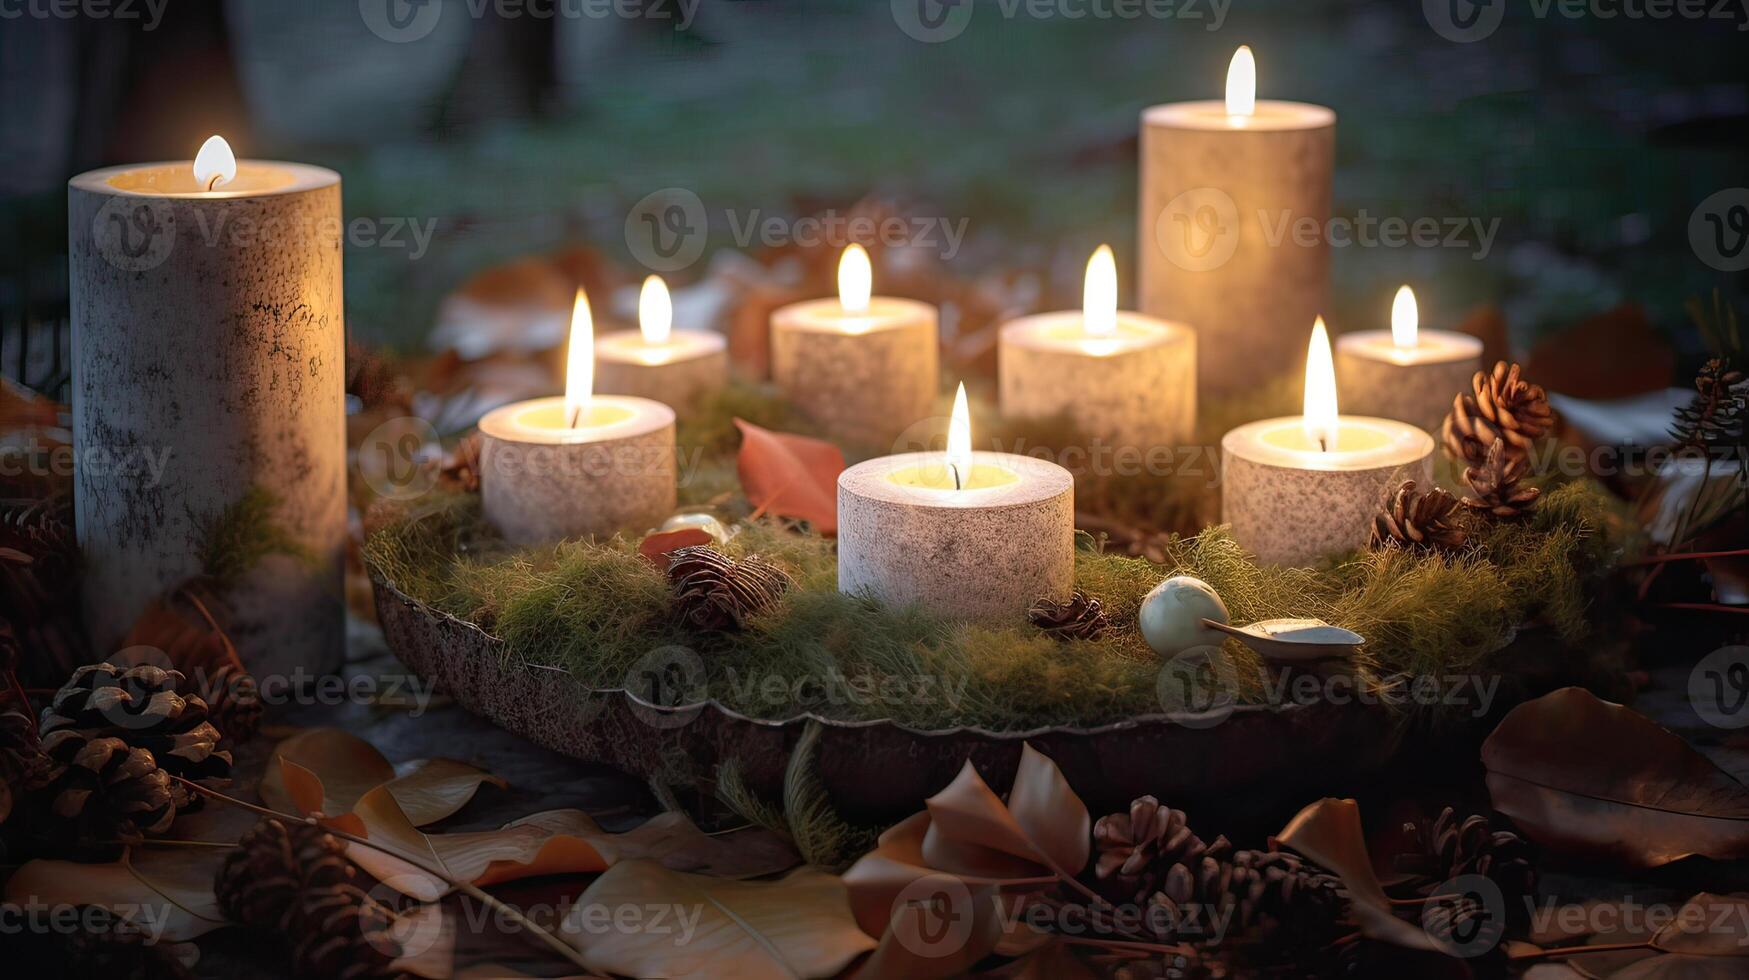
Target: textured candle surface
column 864, row 379
column 208, row 332
column 1414, row 385
column 1134, row 389
column 684, row 372
column 1219, row 213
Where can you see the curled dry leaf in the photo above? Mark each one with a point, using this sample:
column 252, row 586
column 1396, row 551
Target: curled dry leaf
column 1044, row 829
column 1328, row 833
column 799, row 926
column 170, row 898
column 327, row 771
column 790, row 475
column 1597, row 780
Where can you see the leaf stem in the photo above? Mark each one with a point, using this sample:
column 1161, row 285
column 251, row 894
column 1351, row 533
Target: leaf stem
column 558, row 946
column 1578, row 950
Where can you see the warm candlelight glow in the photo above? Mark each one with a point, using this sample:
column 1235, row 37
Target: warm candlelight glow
column 1320, row 403
column 1242, row 83
column 1099, row 294
column 1405, row 319
column 855, row 279
column 579, row 362
column 215, row 165
column 959, row 439
column 655, row 311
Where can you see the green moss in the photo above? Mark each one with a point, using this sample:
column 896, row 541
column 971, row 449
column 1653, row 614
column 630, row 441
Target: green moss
column 595, row 608
column 246, row 532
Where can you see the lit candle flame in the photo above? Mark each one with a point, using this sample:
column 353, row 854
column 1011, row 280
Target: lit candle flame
column 1405, row 319
column 215, row 165
column 1242, row 83
column 855, row 279
column 1099, row 294
column 959, row 439
column 579, row 362
column 1320, row 404
column 655, row 311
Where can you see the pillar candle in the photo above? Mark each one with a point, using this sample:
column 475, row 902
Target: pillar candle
column 208, row 331
column 682, row 369
column 1223, row 184
column 864, row 368
column 1405, row 373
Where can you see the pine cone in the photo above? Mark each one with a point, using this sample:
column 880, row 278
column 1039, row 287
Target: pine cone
column 1449, row 848
column 233, row 701
column 1416, row 518
column 38, row 556
column 1080, row 618
column 1716, row 416
column 23, row 766
column 460, row 469
column 99, row 788
column 714, row 592
column 1133, row 845
column 296, row 880
column 1495, row 483
column 1502, row 406
column 1274, row 897
column 141, row 706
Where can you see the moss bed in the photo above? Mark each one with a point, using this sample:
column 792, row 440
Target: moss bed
column 594, row 608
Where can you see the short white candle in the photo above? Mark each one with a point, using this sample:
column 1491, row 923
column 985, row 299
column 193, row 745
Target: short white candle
column 864, row 368
column 1120, row 377
column 1298, row 490
column 1220, row 180
column 680, row 368
column 580, row 464
column 209, row 331
column 963, row 534
column 1405, row 373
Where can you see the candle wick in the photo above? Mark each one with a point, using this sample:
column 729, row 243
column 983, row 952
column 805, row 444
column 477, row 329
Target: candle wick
column 957, row 483
column 213, row 182
column 576, row 416
column 1323, row 444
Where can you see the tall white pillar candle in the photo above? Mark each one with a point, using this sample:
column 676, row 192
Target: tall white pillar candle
column 208, row 340
column 864, row 368
column 1226, row 187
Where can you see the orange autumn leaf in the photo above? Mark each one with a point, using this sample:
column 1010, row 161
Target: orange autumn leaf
column 656, row 548
column 790, row 475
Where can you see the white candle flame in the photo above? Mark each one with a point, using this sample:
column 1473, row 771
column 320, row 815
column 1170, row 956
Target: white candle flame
column 1242, row 83
column 1405, row 319
column 855, row 279
column 215, row 165
column 655, row 311
column 959, row 439
column 1099, row 294
column 579, row 362
column 1320, row 404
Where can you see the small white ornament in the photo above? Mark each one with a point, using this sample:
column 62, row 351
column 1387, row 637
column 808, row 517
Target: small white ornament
column 1172, row 615
column 704, row 522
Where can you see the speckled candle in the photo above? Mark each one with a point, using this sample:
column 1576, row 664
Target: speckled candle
column 542, row 479
column 982, row 553
column 1123, row 379
column 1405, row 373
column 1290, row 502
column 681, row 369
column 1225, row 198
column 863, row 368
column 208, row 340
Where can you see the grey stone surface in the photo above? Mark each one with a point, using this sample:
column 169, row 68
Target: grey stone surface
column 863, row 388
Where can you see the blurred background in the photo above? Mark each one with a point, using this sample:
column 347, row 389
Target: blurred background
column 488, row 130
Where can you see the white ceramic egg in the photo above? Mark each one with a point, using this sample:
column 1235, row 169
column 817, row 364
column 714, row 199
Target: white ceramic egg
column 1172, row 614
